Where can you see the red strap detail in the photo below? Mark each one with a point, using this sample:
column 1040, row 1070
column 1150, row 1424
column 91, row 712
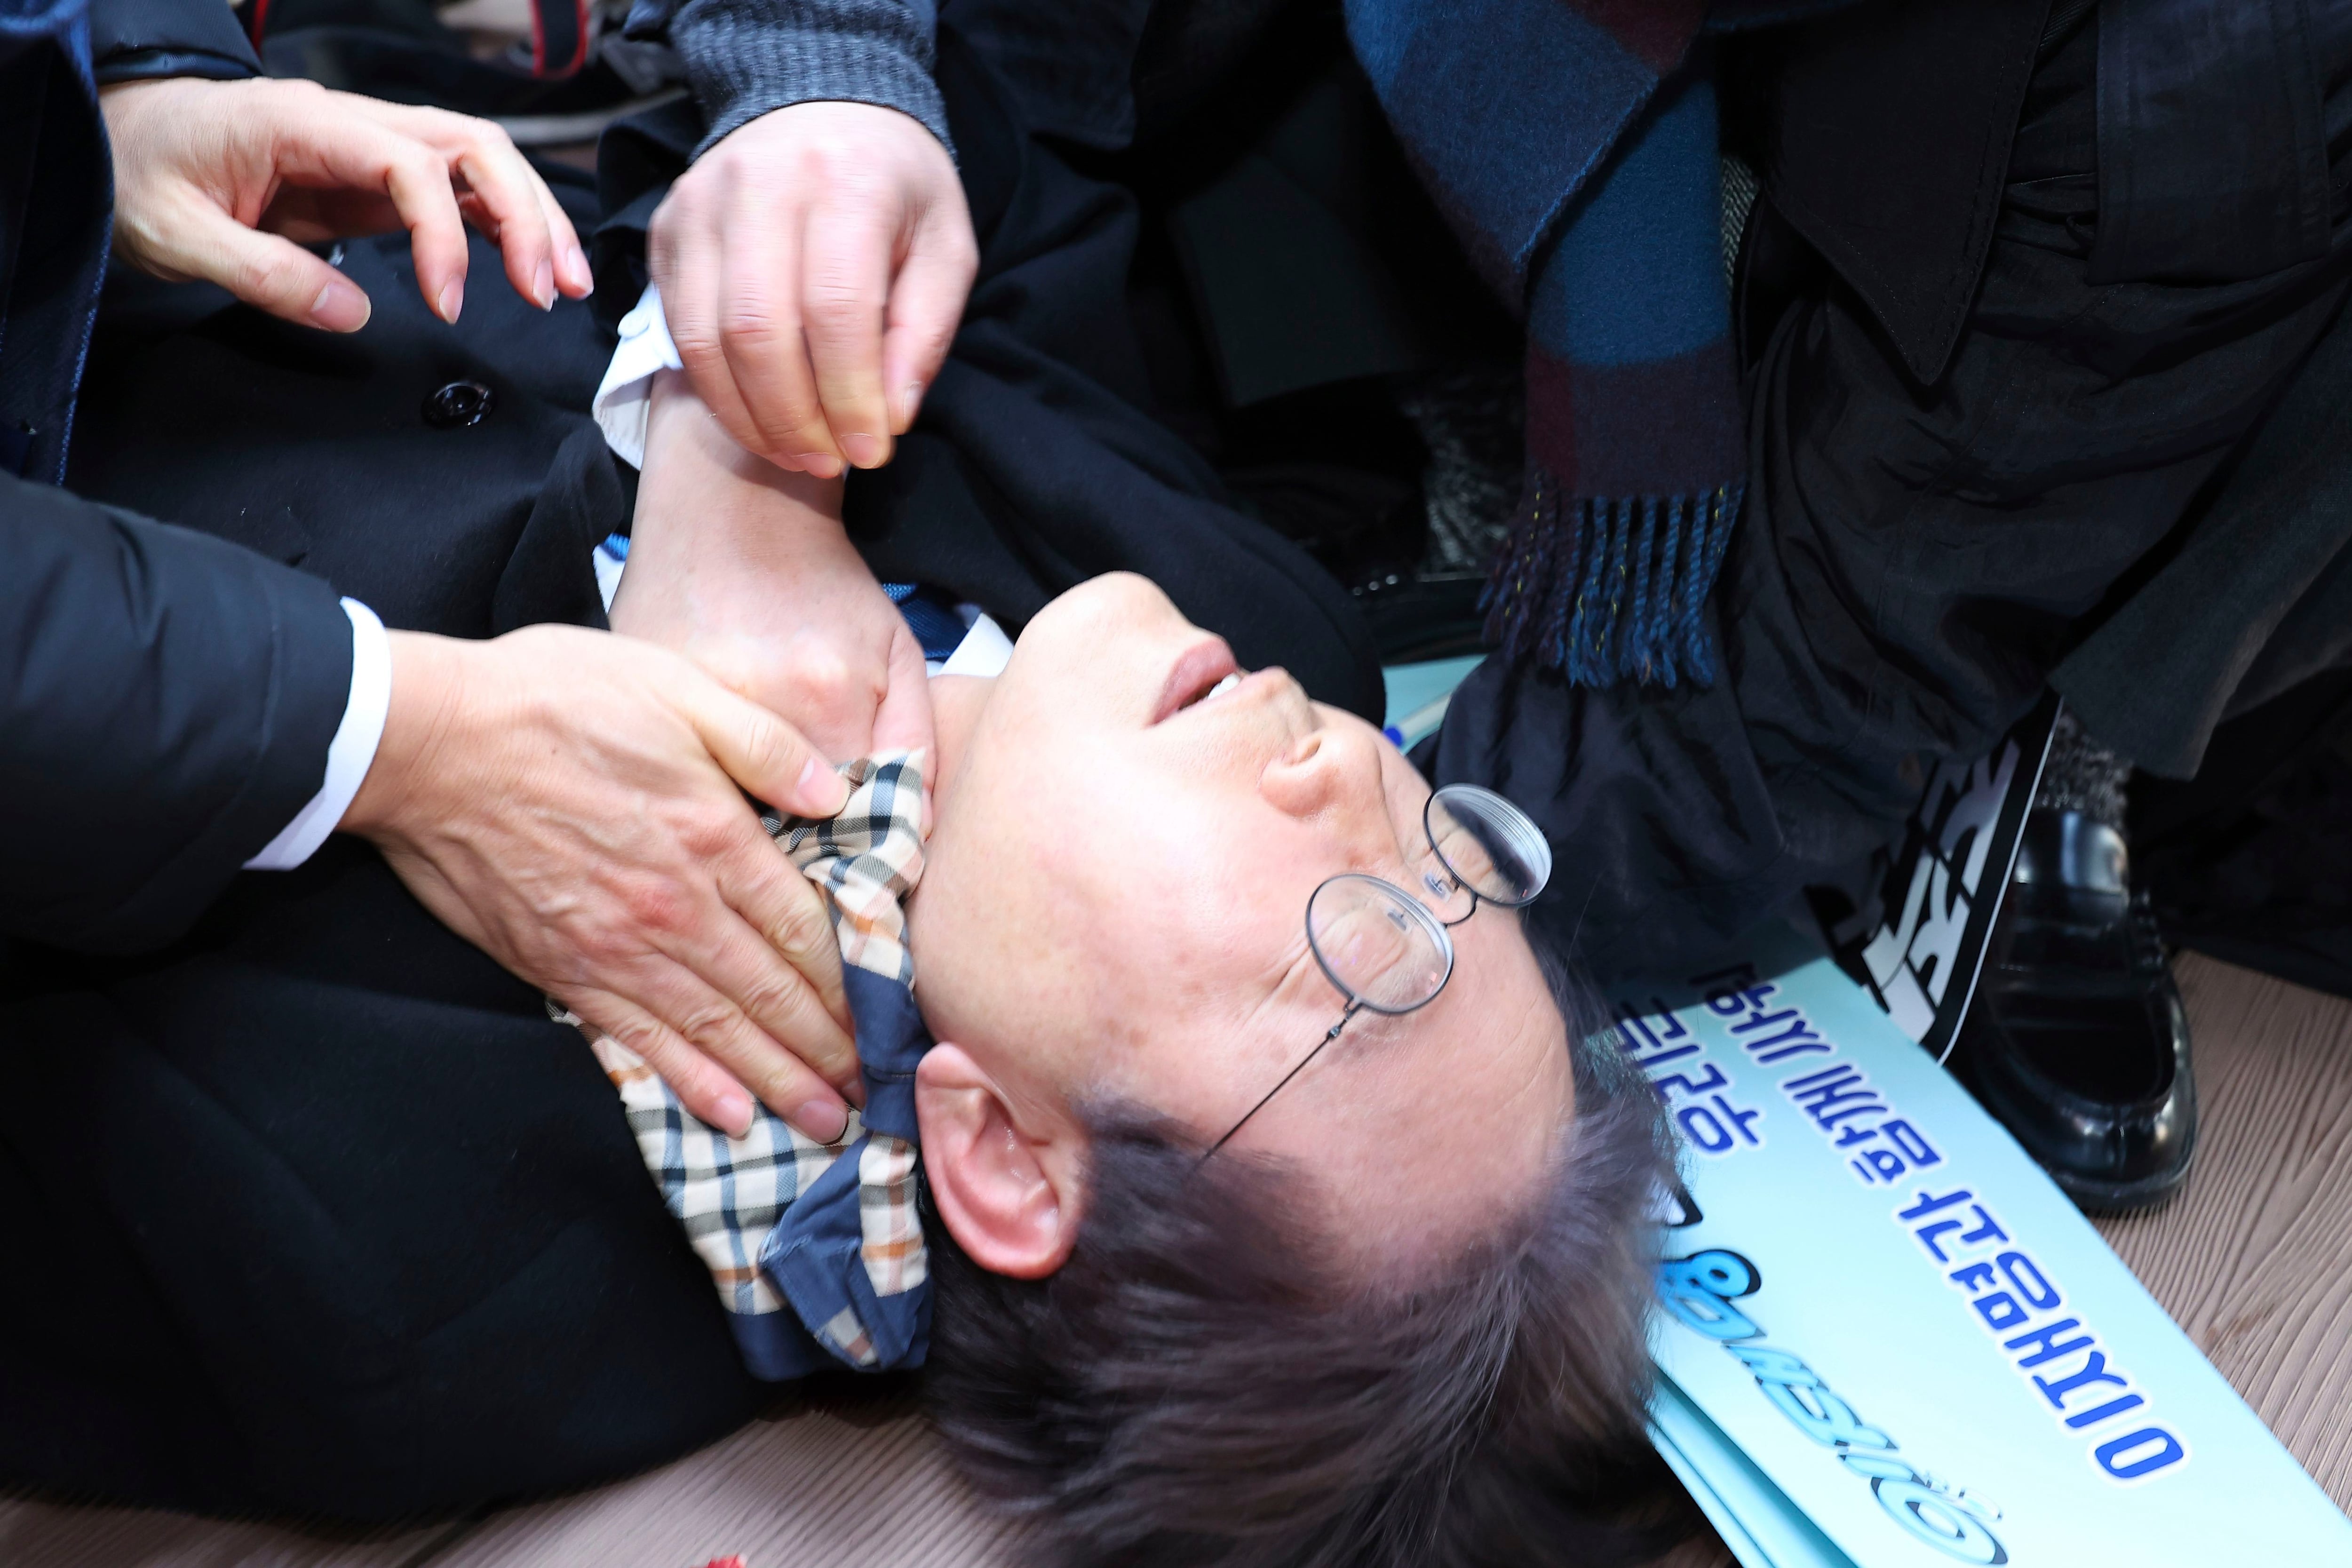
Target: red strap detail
column 579, row 60
column 576, row 57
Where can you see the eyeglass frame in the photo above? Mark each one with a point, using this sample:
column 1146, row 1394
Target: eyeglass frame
column 1356, row 1003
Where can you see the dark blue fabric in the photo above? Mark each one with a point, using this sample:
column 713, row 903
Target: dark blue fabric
column 813, row 1253
column 1554, row 90
column 2213, row 148
column 166, row 700
column 930, row 616
column 133, row 40
column 775, row 1348
column 1574, row 148
column 811, row 1257
column 56, row 188
column 891, row 1041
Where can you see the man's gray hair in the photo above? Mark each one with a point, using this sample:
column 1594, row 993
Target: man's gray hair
column 1194, row 1385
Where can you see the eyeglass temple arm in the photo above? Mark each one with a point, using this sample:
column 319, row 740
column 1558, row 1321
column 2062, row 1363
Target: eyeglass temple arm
column 1330, row 1036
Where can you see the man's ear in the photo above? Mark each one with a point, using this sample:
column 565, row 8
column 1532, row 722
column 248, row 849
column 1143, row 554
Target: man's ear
column 1010, row 1198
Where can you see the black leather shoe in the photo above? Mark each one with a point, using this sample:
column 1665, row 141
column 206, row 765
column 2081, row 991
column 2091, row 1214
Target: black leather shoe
column 2076, row 1039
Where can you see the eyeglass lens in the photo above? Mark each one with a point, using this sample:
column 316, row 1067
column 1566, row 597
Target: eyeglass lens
column 1385, row 949
column 1381, row 948
column 1488, row 845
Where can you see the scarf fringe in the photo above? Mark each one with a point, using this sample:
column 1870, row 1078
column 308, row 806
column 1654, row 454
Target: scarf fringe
column 1604, row 589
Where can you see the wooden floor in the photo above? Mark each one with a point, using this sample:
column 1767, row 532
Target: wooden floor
column 2255, row 1262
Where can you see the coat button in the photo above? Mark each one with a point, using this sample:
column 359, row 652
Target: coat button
column 458, row 404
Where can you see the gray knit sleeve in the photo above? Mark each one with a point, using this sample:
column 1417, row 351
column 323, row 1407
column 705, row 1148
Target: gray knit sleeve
column 744, row 58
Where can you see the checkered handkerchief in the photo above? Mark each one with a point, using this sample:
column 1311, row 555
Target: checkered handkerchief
column 784, row 1221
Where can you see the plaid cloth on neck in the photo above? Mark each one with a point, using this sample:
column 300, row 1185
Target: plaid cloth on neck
column 817, row 1247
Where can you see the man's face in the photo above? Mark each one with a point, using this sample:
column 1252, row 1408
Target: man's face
column 1115, row 906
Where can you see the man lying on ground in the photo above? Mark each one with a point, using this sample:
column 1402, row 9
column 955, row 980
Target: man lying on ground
column 1208, row 1290
column 353, row 1229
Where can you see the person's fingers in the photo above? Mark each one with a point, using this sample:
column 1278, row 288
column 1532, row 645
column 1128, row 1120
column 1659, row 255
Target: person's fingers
column 705, row 1088
column 844, row 295
column 763, row 338
column 903, row 721
column 360, row 152
column 760, row 752
column 501, row 191
column 786, row 908
column 777, row 1003
column 574, row 276
column 272, row 273
column 702, row 1002
column 706, row 1049
column 683, row 253
column 518, row 211
column 926, row 303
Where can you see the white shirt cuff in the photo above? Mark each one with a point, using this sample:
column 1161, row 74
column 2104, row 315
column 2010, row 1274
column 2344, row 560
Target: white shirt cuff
column 349, row 754
column 626, row 397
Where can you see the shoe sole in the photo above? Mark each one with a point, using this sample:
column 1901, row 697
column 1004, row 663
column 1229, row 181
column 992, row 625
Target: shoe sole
column 2123, row 1197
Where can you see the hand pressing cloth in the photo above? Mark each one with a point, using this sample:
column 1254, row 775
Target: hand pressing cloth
column 817, row 1248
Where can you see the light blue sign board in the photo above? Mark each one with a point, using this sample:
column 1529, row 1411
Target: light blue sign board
column 1746, row 1508
column 1911, row 1335
column 1418, row 694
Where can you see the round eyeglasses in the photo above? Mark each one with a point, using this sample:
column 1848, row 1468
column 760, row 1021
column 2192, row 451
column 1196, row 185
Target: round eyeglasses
column 1385, row 949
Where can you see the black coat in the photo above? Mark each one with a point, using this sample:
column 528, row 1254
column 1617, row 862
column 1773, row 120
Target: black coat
column 166, row 700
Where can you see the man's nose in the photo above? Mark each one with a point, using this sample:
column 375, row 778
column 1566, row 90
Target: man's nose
column 1333, row 776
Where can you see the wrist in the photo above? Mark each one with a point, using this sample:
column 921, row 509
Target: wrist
column 699, row 482
column 426, row 678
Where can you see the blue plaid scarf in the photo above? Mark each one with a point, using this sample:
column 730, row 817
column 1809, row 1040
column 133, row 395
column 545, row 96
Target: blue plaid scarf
column 817, row 1248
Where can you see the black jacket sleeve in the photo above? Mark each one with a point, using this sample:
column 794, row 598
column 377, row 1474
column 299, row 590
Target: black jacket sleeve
column 131, row 40
column 166, row 702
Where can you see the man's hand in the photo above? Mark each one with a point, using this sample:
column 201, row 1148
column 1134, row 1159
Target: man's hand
column 812, row 267
column 567, row 801
column 744, row 568
column 218, row 180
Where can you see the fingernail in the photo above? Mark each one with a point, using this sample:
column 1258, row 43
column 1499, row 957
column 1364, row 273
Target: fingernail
column 340, row 307
column 735, row 1114
column 864, row 451
column 543, row 286
column 823, row 1120
column 909, row 400
column 818, row 465
column 583, row 278
column 819, row 783
column 452, row 300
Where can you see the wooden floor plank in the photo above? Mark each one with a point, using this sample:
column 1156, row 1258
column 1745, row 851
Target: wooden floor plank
column 846, row 1487
column 2255, row 1259
column 40, row 1534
